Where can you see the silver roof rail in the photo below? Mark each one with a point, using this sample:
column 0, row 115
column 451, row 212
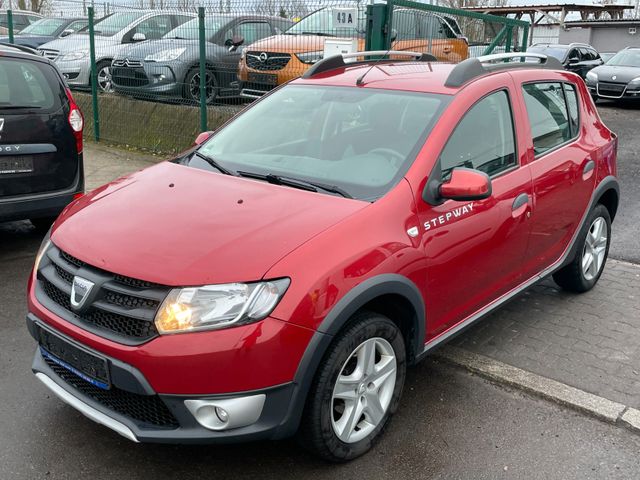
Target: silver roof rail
column 474, row 67
column 337, row 61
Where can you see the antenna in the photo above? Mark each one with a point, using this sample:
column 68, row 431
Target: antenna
column 360, row 80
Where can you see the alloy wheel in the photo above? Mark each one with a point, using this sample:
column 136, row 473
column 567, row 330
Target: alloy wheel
column 595, row 248
column 210, row 87
column 104, row 79
column 363, row 390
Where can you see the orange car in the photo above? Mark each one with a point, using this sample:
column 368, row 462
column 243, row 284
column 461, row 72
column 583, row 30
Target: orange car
column 275, row 60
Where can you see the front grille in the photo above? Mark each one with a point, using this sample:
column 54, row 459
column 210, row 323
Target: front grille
column 122, row 308
column 129, row 77
column 611, row 89
column 147, row 410
column 126, row 63
column 48, row 53
column 267, row 61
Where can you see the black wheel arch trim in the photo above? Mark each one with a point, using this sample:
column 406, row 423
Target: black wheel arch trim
column 338, row 317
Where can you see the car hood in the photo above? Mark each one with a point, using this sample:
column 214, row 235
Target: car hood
column 177, row 225
column 80, row 42
column 293, row 43
column 622, row 74
column 140, row 50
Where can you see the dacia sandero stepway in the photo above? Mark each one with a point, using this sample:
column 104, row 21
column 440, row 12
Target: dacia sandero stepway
column 282, row 275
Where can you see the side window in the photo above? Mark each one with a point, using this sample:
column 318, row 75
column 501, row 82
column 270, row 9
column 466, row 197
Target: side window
column 586, row 55
column 484, row 138
column 572, row 105
column 155, row 27
column 548, row 116
column 180, row 19
column 404, row 23
column 574, row 54
column 253, row 31
column 432, row 27
column 77, row 25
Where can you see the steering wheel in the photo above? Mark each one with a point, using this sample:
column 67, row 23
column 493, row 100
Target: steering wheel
column 389, row 154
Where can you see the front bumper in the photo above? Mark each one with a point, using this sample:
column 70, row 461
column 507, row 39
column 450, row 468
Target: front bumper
column 134, row 410
column 621, row 92
column 77, row 73
column 150, row 79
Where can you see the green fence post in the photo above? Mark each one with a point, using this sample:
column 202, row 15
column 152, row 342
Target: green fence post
column 496, row 41
column 507, row 45
column 94, row 77
column 525, row 38
column 203, row 70
column 376, row 19
column 10, row 25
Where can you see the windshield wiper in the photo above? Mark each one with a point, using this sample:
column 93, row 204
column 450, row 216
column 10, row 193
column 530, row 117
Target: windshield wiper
column 17, row 107
column 320, row 34
column 295, row 182
column 214, row 164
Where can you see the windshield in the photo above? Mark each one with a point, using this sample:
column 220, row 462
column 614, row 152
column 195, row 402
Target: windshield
column 189, row 30
column 626, row 58
column 112, row 24
column 361, row 140
column 46, row 26
column 321, row 22
column 557, row 52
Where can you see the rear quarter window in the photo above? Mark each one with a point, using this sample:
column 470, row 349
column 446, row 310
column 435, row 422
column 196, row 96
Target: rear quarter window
column 27, row 84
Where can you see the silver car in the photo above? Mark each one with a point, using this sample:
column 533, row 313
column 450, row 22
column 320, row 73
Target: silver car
column 112, row 33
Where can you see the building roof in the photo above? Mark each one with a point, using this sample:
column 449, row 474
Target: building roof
column 546, row 7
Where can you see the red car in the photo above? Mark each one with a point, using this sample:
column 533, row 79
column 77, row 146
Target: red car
column 282, row 275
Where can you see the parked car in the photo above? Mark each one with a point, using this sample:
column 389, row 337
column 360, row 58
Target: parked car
column 278, row 59
column 619, row 78
column 576, row 57
column 112, row 33
column 170, row 67
column 21, row 20
column 283, row 273
column 46, row 30
column 41, row 168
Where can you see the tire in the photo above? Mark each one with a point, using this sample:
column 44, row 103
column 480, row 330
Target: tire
column 582, row 274
column 191, row 89
column 104, row 82
column 42, row 224
column 326, row 413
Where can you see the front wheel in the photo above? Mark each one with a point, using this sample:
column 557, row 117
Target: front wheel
column 192, row 86
column 356, row 390
column 591, row 255
column 104, row 82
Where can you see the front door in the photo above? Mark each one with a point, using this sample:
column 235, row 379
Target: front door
column 474, row 249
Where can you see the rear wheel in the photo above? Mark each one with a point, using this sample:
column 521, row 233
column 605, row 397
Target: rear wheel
column 585, row 269
column 356, row 390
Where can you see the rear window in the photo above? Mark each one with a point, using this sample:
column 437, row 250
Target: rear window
column 28, row 85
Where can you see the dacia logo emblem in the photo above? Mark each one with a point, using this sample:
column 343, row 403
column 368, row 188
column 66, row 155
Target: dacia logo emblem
column 80, row 289
column 263, row 57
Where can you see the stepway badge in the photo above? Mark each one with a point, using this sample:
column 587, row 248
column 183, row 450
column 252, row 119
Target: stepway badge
column 345, row 17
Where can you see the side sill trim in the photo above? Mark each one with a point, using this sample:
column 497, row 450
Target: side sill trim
column 85, row 409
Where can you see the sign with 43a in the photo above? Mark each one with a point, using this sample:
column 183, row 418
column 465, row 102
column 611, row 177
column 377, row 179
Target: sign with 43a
column 345, row 17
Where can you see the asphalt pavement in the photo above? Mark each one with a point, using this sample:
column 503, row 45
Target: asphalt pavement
column 451, row 424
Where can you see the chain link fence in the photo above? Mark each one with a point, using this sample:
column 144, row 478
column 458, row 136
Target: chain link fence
column 154, row 78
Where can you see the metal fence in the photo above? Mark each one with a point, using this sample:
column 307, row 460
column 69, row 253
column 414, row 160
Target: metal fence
column 155, row 78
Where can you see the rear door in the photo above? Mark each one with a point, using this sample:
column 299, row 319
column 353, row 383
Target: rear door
column 38, row 151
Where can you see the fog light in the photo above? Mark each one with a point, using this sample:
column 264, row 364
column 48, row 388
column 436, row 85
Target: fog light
column 226, row 413
column 222, row 414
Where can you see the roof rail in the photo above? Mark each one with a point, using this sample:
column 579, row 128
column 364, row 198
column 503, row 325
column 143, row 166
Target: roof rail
column 475, row 67
column 337, row 61
column 22, row 48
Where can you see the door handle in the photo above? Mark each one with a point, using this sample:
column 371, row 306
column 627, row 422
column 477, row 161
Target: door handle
column 520, row 200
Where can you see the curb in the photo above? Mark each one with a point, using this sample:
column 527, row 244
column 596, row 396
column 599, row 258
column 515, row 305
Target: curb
column 571, row 397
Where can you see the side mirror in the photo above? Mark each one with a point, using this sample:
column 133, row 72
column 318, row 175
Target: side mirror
column 466, row 184
column 203, row 137
column 234, row 43
column 66, row 33
column 138, row 37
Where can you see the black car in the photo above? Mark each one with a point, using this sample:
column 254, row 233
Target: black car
column 45, row 30
column 169, row 67
column 41, row 169
column 576, row 57
column 619, row 78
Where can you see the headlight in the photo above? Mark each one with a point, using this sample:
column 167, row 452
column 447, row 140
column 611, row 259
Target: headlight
column 71, row 56
column 44, row 246
column 310, row 57
column 218, row 306
column 592, row 76
column 165, row 55
column 635, row 81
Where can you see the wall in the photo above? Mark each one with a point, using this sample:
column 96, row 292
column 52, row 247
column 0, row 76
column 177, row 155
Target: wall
column 603, row 39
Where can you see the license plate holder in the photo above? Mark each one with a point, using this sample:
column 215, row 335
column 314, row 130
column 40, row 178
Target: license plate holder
column 77, row 360
column 265, row 78
column 10, row 165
